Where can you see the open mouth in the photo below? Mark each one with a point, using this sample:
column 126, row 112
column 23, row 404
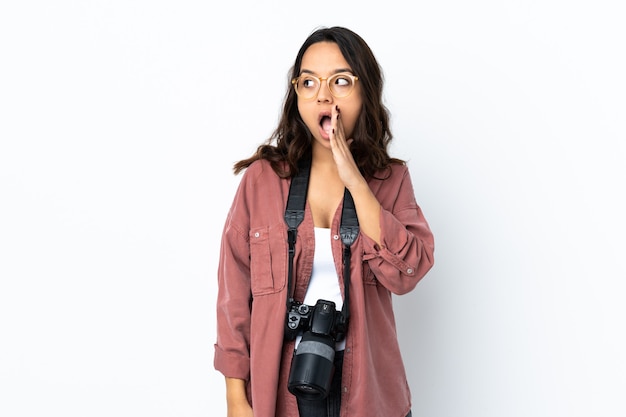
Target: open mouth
column 325, row 123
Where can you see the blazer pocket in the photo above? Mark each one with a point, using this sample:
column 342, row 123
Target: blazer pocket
column 266, row 269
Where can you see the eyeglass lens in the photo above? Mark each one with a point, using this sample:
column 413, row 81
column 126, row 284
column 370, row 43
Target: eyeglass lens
column 340, row 85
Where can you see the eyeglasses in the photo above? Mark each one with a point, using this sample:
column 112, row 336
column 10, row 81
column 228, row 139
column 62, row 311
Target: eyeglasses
column 340, row 85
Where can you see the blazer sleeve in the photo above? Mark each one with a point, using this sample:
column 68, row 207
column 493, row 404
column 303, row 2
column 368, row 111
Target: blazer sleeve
column 232, row 350
column 406, row 252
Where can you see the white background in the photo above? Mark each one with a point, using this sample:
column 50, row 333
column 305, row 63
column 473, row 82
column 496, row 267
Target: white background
column 119, row 125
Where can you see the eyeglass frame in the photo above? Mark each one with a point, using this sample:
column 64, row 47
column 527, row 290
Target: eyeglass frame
column 353, row 78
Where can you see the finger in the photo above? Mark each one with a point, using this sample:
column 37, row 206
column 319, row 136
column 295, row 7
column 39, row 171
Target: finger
column 339, row 132
column 337, row 119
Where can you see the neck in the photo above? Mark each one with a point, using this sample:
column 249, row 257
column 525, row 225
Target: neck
column 323, row 159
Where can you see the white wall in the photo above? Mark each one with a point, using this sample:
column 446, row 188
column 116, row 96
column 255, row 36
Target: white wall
column 119, row 124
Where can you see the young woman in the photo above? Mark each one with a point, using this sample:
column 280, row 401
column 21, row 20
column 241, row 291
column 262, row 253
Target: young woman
column 334, row 134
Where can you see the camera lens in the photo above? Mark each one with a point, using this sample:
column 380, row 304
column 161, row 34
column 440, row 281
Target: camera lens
column 312, row 367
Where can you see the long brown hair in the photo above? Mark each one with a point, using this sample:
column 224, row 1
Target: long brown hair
column 292, row 139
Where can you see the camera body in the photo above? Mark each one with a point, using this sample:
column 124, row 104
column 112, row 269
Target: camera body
column 312, row 365
column 322, row 318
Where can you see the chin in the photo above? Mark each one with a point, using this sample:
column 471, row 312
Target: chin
column 321, row 142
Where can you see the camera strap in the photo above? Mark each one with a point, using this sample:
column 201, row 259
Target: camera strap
column 294, row 215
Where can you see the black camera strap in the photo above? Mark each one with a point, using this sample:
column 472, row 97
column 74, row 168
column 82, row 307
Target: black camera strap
column 294, row 215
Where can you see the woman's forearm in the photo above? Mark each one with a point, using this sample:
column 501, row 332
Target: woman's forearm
column 236, row 398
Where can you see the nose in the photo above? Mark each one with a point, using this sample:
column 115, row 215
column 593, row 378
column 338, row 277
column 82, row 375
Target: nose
column 323, row 95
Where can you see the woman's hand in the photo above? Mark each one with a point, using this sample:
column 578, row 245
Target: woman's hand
column 340, row 146
column 365, row 202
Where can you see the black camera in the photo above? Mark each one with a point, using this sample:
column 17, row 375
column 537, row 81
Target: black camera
column 312, row 365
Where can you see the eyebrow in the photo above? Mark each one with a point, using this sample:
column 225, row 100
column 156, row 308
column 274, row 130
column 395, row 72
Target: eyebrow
column 337, row 71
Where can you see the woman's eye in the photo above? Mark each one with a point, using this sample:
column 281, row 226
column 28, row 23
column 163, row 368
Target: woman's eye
column 342, row 81
column 308, row 83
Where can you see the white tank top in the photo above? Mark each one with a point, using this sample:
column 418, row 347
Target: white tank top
column 324, row 283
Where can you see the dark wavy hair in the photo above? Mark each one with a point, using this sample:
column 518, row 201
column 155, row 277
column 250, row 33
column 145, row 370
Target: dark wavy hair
column 292, row 140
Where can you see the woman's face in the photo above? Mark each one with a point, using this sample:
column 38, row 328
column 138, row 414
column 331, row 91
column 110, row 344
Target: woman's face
column 323, row 60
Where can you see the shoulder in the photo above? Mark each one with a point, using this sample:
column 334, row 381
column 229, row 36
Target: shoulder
column 260, row 192
column 390, row 183
column 399, row 169
column 395, row 172
column 260, row 182
column 259, row 170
